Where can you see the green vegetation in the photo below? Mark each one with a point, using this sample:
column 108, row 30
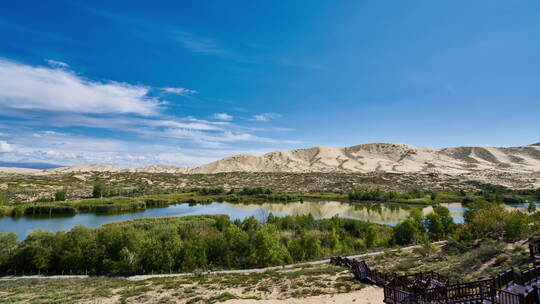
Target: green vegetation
column 427, row 197
column 105, row 205
column 106, row 198
column 483, row 220
column 60, row 195
column 181, row 244
column 190, row 243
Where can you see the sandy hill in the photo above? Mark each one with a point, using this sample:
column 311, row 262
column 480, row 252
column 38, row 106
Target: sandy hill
column 385, row 157
column 18, row 170
column 85, row 168
column 161, row 169
column 373, row 157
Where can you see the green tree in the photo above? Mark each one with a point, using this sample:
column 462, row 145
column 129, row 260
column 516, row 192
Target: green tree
column 268, row 249
column 446, row 219
column 38, row 250
column 406, row 232
column 60, row 195
column 515, row 225
column 371, row 236
column 8, row 245
column 100, row 190
column 434, row 226
column 238, row 244
column 333, row 240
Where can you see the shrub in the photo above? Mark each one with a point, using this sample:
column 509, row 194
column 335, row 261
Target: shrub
column 60, row 195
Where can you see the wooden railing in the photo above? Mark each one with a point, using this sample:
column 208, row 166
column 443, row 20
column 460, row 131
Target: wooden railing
column 396, row 296
column 506, row 297
column 530, row 275
column 424, row 276
column 535, row 250
column 504, row 279
column 461, row 292
column 410, row 288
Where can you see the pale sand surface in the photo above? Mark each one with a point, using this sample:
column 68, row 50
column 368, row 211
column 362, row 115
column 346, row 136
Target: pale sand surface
column 367, row 295
column 381, row 157
column 18, row 170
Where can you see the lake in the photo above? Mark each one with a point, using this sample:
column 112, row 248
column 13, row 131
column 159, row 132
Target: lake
column 389, row 214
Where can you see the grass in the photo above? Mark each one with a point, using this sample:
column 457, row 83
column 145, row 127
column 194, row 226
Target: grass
column 193, row 289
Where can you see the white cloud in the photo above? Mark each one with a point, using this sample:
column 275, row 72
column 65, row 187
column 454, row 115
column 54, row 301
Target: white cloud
column 183, row 125
column 5, row 147
column 57, row 64
column 223, row 116
column 265, row 117
column 26, row 87
column 180, row 91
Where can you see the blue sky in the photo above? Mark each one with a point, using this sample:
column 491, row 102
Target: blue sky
column 186, row 82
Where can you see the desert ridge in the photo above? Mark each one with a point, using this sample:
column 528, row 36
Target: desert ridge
column 373, row 157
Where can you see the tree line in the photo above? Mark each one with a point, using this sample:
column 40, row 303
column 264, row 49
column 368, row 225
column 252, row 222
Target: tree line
column 181, row 244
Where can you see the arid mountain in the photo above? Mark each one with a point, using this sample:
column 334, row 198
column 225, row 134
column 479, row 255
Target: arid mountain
column 161, row 169
column 385, row 157
column 373, row 157
column 86, row 168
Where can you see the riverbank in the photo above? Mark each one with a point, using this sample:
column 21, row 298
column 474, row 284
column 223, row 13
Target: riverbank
column 123, row 204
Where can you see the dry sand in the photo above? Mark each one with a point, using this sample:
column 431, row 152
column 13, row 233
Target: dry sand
column 19, row 170
column 367, row 295
column 474, row 163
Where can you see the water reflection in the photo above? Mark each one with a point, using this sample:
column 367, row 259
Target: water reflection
column 389, row 214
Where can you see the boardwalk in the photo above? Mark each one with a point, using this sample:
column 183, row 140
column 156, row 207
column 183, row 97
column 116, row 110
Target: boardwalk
column 508, row 287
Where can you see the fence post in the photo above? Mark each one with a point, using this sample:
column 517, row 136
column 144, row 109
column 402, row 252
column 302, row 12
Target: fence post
column 521, row 298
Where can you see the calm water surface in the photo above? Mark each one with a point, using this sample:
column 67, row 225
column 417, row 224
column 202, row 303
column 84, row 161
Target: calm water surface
column 378, row 213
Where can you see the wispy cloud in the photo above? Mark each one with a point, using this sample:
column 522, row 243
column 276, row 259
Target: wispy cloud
column 40, row 97
column 223, row 116
column 265, row 117
column 180, row 91
column 39, row 88
column 5, row 146
column 56, row 63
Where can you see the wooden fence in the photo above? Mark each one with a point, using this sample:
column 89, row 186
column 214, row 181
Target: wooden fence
column 528, row 276
column 534, row 248
column 477, row 291
column 418, row 288
column 507, row 297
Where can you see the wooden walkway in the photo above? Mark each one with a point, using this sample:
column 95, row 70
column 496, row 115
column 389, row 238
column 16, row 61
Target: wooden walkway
column 508, row 287
column 535, row 250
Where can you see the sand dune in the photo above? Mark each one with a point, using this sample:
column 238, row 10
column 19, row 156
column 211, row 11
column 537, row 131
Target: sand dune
column 385, row 157
column 18, row 170
column 373, row 157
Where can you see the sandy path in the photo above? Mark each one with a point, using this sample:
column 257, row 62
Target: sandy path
column 367, row 295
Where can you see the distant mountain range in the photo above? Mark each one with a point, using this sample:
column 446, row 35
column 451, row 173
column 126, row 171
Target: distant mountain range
column 38, row 166
column 373, row 157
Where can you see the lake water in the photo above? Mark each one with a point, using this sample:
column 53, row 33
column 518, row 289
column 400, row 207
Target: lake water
column 377, row 213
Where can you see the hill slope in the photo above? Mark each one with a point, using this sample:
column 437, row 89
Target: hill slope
column 373, row 157
column 384, row 157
